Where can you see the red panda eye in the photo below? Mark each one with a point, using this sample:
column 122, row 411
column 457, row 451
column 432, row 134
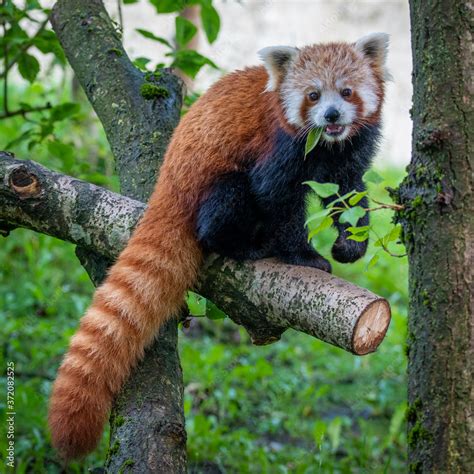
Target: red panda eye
column 346, row 92
column 314, row 96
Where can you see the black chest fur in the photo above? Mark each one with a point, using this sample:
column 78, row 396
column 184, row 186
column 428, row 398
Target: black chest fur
column 260, row 212
column 277, row 181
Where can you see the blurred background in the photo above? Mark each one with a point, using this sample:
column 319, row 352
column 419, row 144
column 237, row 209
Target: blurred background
column 299, row 405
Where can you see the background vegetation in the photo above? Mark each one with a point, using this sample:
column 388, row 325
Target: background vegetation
column 297, row 406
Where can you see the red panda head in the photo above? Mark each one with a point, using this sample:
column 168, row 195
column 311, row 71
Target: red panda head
column 336, row 86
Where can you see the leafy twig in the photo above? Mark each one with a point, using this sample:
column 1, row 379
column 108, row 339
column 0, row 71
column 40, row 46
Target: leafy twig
column 385, row 248
column 23, row 112
column 383, row 205
column 27, row 45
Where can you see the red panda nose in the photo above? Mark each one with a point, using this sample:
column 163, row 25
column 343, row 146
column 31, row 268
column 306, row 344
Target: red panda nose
column 332, row 115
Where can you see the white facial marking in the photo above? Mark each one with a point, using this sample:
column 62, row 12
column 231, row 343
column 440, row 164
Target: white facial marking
column 369, row 99
column 292, row 101
column 318, row 84
column 342, row 84
column 332, row 99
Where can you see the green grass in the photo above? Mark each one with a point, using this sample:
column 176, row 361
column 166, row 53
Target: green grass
column 299, row 406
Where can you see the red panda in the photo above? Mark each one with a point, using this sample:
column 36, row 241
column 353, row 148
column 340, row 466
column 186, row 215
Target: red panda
column 231, row 182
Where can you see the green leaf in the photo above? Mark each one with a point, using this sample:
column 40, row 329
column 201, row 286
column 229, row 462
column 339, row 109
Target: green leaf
column 168, row 6
column 334, row 432
column 373, row 261
column 352, row 215
column 199, row 306
column 190, row 62
column 196, row 304
column 66, row 110
column 213, row 312
column 357, row 197
column 129, row 2
column 141, row 63
column 325, row 224
column 319, row 431
column 312, row 140
column 33, row 4
column 28, row 66
column 359, row 230
column 149, row 35
column 185, row 31
column 359, row 237
column 390, row 236
column 317, row 215
column 359, row 234
column 394, row 234
column 323, row 190
column 372, row 176
column 47, row 42
column 341, row 199
column 60, row 150
column 210, row 22
column 14, row 37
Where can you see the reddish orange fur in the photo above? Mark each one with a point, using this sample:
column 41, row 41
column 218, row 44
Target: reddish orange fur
column 147, row 284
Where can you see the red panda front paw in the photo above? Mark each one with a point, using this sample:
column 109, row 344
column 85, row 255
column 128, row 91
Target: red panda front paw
column 319, row 262
column 308, row 260
column 348, row 251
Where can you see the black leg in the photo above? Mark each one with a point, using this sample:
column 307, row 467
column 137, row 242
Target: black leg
column 346, row 250
column 228, row 220
column 291, row 242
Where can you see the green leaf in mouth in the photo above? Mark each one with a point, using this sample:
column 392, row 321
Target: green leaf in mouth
column 312, row 140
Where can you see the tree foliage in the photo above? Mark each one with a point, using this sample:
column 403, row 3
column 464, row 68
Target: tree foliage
column 29, row 47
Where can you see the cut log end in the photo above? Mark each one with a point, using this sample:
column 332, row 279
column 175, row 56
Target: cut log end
column 371, row 327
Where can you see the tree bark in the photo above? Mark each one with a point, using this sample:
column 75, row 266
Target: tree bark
column 272, row 297
column 147, row 421
column 266, row 297
column 438, row 229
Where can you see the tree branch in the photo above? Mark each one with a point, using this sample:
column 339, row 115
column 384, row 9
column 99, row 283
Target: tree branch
column 266, row 297
column 24, row 48
column 92, row 217
column 24, row 111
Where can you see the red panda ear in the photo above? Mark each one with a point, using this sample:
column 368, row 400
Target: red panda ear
column 277, row 60
column 374, row 47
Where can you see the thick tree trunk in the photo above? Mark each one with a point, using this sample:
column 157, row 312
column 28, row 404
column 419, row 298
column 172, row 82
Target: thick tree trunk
column 438, row 230
column 147, row 422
